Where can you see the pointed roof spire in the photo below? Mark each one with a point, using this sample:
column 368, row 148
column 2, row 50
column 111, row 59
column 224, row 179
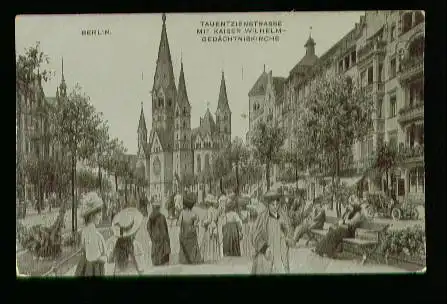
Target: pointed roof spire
column 164, row 74
column 264, row 67
column 222, row 103
column 142, row 122
column 182, row 94
column 310, row 44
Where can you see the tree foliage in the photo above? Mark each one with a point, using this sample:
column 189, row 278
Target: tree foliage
column 268, row 139
column 337, row 113
column 236, row 155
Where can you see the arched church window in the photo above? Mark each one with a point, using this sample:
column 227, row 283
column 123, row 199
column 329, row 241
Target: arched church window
column 160, row 102
column 169, row 102
column 176, row 113
column 199, row 164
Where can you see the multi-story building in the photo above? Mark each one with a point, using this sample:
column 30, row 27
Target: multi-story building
column 385, row 52
column 174, row 150
column 34, row 127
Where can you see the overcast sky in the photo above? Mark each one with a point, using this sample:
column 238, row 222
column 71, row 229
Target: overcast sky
column 109, row 68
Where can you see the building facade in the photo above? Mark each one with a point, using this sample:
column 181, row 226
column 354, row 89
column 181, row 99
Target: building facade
column 173, row 150
column 385, row 51
column 34, row 127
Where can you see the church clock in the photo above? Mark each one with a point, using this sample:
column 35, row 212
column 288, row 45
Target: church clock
column 157, row 165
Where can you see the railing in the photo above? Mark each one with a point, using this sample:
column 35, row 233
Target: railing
column 410, row 113
column 370, row 47
column 407, row 152
column 411, row 63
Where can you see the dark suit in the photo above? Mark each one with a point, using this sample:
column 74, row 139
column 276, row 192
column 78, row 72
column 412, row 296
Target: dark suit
column 314, row 221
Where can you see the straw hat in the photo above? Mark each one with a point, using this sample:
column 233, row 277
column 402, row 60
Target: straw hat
column 91, row 203
column 271, row 196
column 211, row 200
column 127, row 222
column 189, row 200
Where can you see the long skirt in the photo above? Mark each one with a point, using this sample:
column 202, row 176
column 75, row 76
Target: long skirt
column 231, row 240
column 189, row 249
column 246, row 246
column 210, row 246
column 329, row 244
column 89, row 269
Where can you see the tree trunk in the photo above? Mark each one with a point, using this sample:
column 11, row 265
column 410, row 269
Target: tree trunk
column 116, row 182
column 125, row 192
column 99, row 179
column 337, row 175
column 332, row 195
column 267, row 174
column 387, row 192
column 221, row 185
column 73, row 203
column 237, row 179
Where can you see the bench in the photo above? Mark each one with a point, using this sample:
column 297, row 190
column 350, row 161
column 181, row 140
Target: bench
column 367, row 238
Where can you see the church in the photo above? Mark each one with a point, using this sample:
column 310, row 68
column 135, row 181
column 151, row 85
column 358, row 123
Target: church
column 172, row 151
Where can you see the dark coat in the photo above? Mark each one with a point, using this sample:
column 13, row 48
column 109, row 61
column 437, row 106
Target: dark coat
column 157, row 228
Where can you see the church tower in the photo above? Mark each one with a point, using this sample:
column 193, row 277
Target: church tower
column 182, row 132
column 164, row 90
column 223, row 114
column 142, row 133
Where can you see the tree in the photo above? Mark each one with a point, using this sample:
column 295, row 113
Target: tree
column 337, row 113
column 267, row 141
column 29, row 70
column 77, row 123
column 220, row 168
column 385, row 159
column 236, row 154
column 117, row 160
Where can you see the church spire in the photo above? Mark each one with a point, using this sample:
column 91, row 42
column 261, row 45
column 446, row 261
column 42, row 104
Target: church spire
column 164, row 75
column 142, row 122
column 310, row 44
column 182, row 95
column 63, row 86
column 222, row 103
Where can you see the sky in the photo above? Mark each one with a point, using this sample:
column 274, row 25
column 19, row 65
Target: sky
column 117, row 70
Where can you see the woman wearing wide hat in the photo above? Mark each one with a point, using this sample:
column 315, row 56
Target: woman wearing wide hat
column 189, row 221
column 270, row 238
column 211, row 240
column 232, row 228
column 124, row 252
column 94, row 254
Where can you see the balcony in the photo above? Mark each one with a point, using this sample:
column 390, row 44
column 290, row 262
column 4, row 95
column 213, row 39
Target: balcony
column 411, row 113
column 370, row 48
column 413, row 154
column 411, row 68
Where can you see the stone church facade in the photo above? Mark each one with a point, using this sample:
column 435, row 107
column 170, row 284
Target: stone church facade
column 172, row 151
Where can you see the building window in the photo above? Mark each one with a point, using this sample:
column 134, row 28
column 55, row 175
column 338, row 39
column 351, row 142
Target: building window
column 417, row 180
column 346, row 62
column 363, row 78
column 418, row 18
column 199, row 164
column 353, row 57
column 380, row 78
column 379, row 108
column 407, row 22
column 340, row 66
column 392, row 139
column 392, row 106
column 393, row 67
column 392, row 32
column 370, row 75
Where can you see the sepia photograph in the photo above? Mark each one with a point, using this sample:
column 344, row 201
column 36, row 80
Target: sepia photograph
column 270, row 143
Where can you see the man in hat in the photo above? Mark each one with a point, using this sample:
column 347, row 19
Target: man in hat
column 313, row 219
column 157, row 227
column 270, row 238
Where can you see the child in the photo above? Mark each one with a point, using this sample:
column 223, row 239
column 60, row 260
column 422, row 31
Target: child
column 93, row 245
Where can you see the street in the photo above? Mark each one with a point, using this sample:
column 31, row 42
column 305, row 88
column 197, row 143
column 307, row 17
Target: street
column 302, row 260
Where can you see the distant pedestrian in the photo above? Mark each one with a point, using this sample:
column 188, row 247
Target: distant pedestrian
column 157, row 227
column 93, row 246
column 211, row 239
column 124, row 253
column 189, row 221
column 231, row 229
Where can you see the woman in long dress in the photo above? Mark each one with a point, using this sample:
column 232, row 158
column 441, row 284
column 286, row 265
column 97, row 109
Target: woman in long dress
column 189, row 245
column 231, row 229
column 94, row 256
column 210, row 242
column 125, row 254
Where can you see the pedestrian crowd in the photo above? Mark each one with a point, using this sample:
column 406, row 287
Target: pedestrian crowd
column 230, row 229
